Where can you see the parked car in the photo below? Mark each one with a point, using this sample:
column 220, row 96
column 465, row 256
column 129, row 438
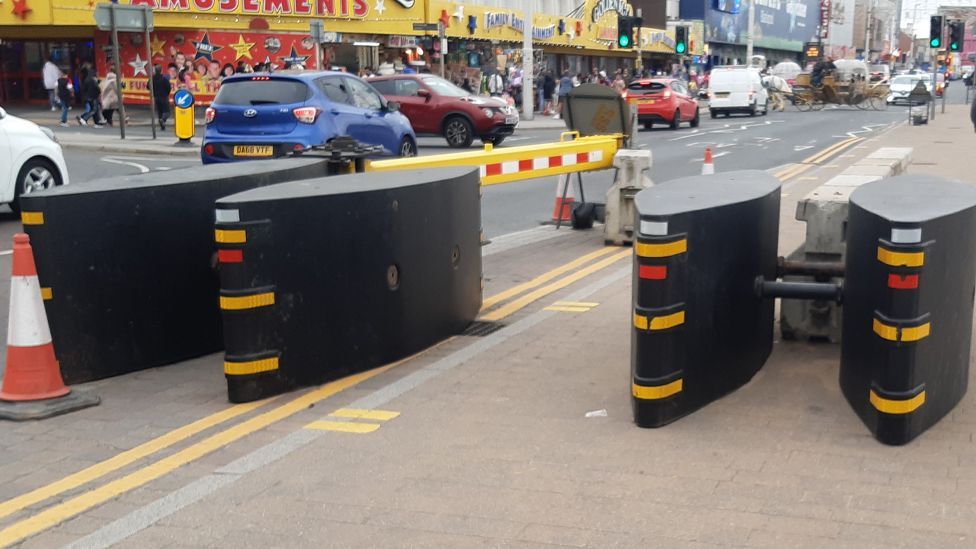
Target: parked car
column 663, row 101
column 30, row 159
column 270, row 115
column 736, row 89
column 438, row 107
column 879, row 73
column 903, row 84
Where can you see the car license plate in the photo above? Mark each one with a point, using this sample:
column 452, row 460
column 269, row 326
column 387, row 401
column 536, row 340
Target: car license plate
column 722, row 94
column 511, row 119
column 645, row 102
column 253, row 150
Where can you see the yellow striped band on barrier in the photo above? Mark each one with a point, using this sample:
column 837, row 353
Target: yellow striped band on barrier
column 227, row 236
column 895, row 333
column 47, row 294
column 238, row 303
column 663, row 322
column 251, row 366
column 896, row 407
column 519, row 163
column 667, row 249
column 900, row 259
column 32, row 218
column 656, row 393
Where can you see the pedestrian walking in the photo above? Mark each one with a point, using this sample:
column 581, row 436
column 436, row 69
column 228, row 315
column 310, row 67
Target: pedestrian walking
column 110, row 95
column 565, row 86
column 51, row 74
column 65, row 90
column 90, row 93
column 161, row 91
column 548, row 89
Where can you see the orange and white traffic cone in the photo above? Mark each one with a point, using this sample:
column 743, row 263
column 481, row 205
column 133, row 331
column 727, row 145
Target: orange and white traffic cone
column 32, row 384
column 708, row 168
column 563, row 210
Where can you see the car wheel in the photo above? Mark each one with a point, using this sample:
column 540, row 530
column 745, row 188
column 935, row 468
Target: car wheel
column 696, row 119
column 37, row 174
column 752, row 110
column 407, row 147
column 712, row 113
column 458, row 132
column 494, row 140
column 765, row 108
column 676, row 121
column 648, row 125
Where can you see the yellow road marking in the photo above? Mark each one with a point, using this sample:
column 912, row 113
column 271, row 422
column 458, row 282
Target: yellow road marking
column 127, row 457
column 343, row 427
column 546, row 277
column 531, row 297
column 63, row 511
column 355, row 413
column 589, row 304
column 562, row 309
column 810, row 161
column 897, row 407
column 657, row 393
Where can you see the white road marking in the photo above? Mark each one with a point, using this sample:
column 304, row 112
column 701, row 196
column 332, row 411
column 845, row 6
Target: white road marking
column 6, row 252
column 167, row 159
column 163, row 168
column 798, row 148
column 140, row 167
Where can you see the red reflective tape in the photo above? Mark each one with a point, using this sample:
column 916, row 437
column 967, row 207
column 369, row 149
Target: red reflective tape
column 230, row 256
column 653, row 272
column 526, row 165
column 555, row 161
column 907, row 282
column 493, row 169
column 582, row 158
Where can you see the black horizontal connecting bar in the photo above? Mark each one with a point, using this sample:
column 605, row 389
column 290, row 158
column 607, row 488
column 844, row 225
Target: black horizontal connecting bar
column 817, row 291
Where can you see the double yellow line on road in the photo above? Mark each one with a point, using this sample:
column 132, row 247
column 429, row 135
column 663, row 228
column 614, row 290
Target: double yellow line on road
column 815, row 159
column 537, row 288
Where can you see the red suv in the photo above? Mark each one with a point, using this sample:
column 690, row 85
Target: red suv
column 435, row 106
column 663, row 101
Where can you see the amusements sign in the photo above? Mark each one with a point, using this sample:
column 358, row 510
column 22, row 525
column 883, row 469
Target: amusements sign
column 211, row 54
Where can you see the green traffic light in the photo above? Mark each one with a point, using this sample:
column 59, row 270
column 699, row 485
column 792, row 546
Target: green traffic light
column 954, row 46
column 624, row 41
column 680, row 47
column 935, row 42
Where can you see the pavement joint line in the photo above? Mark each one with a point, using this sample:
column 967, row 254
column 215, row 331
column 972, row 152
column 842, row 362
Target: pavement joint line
column 144, row 517
column 127, row 457
column 6, row 252
column 59, row 513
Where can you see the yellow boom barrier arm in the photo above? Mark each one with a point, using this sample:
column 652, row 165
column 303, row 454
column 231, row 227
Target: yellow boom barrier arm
column 517, row 163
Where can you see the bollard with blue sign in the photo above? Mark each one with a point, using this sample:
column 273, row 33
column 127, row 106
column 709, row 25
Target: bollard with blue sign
column 185, row 124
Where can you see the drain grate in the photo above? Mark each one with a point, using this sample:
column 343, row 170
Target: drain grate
column 481, row 328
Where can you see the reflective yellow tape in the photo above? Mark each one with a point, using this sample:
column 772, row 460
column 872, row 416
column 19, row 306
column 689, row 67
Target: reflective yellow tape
column 251, row 367
column 913, row 333
column 47, row 294
column 888, row 406
column 657, row 393
column 343, row 427
column 356, row 413
column 644, row 249
column 225, row 236
column 640, row 322
column 668, row 321
column 246, row 302
column 32, row 218
column 901, row 259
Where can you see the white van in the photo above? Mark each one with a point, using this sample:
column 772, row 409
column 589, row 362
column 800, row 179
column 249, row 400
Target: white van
column 736, row 89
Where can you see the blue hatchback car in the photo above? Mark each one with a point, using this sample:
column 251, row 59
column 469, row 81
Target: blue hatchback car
column 270, row 115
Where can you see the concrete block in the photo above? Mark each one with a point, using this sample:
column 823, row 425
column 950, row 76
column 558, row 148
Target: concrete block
column 868, row 169
column 846, row 180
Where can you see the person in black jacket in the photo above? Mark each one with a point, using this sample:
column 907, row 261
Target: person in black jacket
column 161, row 90
column 90, row 93
column 972, row 114
column 65, row 89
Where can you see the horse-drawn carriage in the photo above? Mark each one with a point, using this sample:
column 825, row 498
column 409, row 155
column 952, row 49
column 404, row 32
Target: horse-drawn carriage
column 849, row 84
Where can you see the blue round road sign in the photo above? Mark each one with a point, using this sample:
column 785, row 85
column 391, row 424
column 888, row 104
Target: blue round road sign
column 183, row 99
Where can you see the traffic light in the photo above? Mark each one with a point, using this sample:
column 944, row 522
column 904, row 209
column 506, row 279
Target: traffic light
column 935, row 31
column 625, row 31
column 681, row 40
column 956, row 30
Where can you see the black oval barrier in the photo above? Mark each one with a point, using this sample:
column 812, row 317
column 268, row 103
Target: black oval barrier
column 699, row 330
column 326, row 277
column 127, row 263
column 908, row 303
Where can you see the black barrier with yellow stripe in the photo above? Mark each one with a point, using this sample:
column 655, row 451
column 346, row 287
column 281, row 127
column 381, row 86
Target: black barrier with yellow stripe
column 326, row 277
column 908, row 303
column 128, row 266
column 699, row 330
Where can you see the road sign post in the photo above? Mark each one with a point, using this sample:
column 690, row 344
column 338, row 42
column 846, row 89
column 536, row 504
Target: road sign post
column 114, row 18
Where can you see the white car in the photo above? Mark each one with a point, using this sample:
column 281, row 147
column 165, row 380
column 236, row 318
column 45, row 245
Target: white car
column 903, row 84
column 30, row 159
column 736, row 89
